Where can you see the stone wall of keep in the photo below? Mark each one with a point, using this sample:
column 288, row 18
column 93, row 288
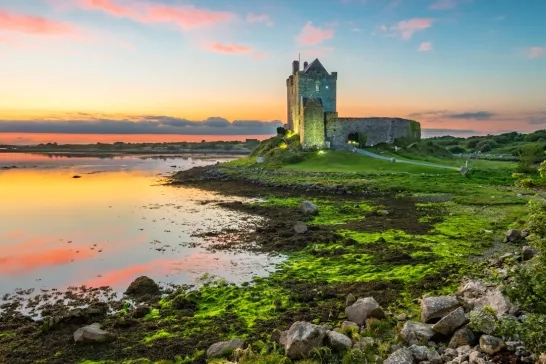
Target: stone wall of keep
column 312, row 133
column 327, row 88
column 377, row 130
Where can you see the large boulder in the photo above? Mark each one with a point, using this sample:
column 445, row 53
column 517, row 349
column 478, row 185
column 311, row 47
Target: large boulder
column 143, row 286
column 513, row 236
column 92, row 334
column 416, row 332
column 437, row 307
column 461, row 337
column 493, row 298
column 363, row 308
column 491, row 345
column 473, row 288
column 309, row 208
column 419, row 352
column 528, row 252
column 224, row 348
column 451, row 322
column 302, row 338
column 338, row 341
column 400, row 356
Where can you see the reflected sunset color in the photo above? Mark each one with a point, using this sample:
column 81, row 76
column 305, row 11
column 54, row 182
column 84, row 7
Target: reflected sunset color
column 111, row 225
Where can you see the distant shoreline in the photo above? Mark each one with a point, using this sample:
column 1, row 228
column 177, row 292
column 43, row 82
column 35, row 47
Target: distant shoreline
column 84, row 153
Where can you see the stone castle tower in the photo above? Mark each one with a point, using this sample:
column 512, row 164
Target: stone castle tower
column 312, row 113
column 310, row 93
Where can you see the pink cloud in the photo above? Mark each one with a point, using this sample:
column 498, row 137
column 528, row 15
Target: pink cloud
column 259, row 18
column 537, row 52
column 186, row 17
column 34, row 24
column 258, row 55
column 229, row 48
column 406, row 28
column 311, row 35
column 447, row 4
column 425, row 47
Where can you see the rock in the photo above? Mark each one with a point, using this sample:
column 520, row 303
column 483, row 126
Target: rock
column 300, row 227
column 474, row 355
column 309, row 208
column 362, row 309
column 491, row 345
column 350, row 299
column 260, row 160
column 448, row 324
column 347, row 326
column 494, row 299
column 382, row 212
column 302, row 338
column 512, row 236
column 92, row 333
column 461, row 337
column 400, row 356
column 450, row 353
column 525, row 233
column 338, row 341
column 224, row 348
column 141, row 311
column 437, row 307
column 402, row 317
column 276, row 336
column 364, row 343
column 528, row 252
column 473, row 288
column 143, row 286
column 419, row 353
column 463, row 350
column 434, row 357
column 416, row 332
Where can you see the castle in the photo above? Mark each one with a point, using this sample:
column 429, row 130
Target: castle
column 312, row 113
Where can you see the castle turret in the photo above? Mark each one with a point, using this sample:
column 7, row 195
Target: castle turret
column 305, row 65
column 295, row 67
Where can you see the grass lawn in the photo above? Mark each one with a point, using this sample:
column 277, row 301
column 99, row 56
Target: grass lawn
column 343, row 161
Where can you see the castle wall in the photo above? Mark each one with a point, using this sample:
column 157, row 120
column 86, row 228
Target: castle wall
column 312, row 130
column 327, row 86
column 377, row 130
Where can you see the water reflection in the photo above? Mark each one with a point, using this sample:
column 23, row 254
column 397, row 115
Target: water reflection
column 108, row 228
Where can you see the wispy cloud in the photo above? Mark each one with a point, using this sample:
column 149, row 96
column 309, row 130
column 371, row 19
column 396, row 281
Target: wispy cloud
column 537, row 121
column 536, row 52
column 447, row 4
column 445, row 114
column 311, row 35
column 185, row 17
column 259, row 18
column 34, row 24
column 145, row 124
column 229, row 48
column 425, row 47
column 406, row 28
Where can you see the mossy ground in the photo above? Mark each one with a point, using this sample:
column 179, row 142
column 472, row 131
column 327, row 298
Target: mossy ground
column 438, row 223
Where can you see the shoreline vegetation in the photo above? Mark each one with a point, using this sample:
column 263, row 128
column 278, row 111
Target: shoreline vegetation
column 385, row 263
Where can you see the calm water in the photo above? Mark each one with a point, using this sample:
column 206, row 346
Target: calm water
column 113, row 224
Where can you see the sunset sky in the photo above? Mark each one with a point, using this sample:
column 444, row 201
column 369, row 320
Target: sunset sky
column 159, row 66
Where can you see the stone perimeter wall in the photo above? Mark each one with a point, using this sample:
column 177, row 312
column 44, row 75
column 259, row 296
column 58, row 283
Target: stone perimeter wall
column 377, row 130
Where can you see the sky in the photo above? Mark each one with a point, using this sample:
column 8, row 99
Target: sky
column 219, row 67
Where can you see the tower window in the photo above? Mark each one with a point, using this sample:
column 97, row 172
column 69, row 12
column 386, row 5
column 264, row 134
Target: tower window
column 317, row 87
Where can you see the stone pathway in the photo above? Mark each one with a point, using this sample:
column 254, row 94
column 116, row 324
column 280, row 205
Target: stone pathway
column 425, row 164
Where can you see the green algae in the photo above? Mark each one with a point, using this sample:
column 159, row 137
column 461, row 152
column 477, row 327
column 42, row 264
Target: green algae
column 162, row 334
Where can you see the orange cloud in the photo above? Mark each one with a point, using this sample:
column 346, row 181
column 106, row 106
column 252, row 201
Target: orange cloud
column 229, row 48
column 259, row 18
column 425, row 47
column 34, row 24
column 186, row 17
column 537, row 52
column 311, row 35
column 406, row 28
column 17, row 264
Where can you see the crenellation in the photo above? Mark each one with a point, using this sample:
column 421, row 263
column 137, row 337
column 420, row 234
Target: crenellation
column 312, row 113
